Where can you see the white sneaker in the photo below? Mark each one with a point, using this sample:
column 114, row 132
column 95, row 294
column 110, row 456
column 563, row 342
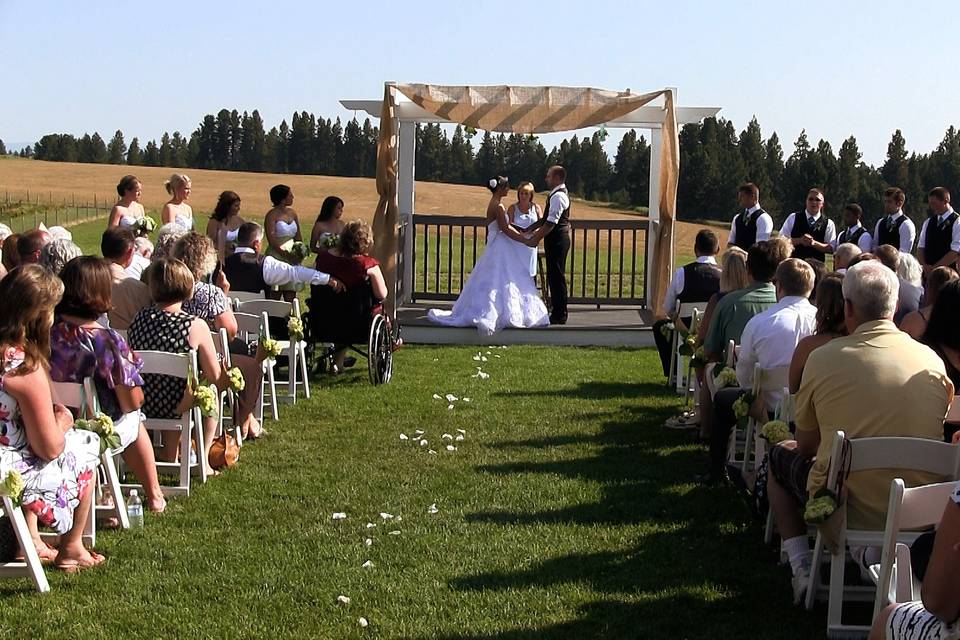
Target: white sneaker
column 799, row 583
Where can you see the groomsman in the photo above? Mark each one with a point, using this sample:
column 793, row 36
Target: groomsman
column 812, row 233
column 894, row 228
column 751, row 225
column 939, row 244
column 854, row 232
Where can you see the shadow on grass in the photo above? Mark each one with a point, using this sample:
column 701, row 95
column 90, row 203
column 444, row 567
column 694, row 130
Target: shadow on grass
column 595, row 390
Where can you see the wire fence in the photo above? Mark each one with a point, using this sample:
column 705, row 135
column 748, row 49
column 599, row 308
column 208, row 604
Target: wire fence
column 27, row 210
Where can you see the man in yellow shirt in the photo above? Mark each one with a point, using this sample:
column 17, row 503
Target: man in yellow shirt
column 877, row 381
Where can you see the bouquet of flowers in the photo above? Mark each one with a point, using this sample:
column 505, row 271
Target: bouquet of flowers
column 726, row 377
column 331, row 240
column 741, row 407
column 204, row 397
column 102, row 425
column 297, row 249
column 144, row 226
column 270, row 346
column 775, row 432
column 821, row 507
column 295, row 327
column 667, row 329
column 12, row 485
column 235, row 379
column 699, row 359
column 688, row 345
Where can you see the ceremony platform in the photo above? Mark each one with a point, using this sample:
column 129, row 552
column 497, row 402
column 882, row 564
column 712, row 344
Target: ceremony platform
column 586, row 326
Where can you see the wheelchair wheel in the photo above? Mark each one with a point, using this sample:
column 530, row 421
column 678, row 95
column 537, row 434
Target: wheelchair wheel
column 380, row 351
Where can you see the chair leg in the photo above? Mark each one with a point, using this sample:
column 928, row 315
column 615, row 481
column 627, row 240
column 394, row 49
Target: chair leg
column 186, row 435
column 814, row 573
column 835, row 597
column 113, row 483
column 271, row 381
column 302, row 355
column 292, row 371
column 768, row 529
column 34, row 568
column 201, row 438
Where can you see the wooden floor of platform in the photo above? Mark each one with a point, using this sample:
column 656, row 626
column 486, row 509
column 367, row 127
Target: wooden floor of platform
column 586, row 326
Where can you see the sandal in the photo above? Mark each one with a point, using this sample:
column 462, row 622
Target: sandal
column 76, row 566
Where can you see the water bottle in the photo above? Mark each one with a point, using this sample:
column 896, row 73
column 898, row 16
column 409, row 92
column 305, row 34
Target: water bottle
column 135, row 510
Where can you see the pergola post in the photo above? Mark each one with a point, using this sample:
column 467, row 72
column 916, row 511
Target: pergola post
column 656, row 142
column 406, row 196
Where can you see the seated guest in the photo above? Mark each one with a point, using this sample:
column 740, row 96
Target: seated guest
column 57, row 462
column 811, row 232
column 350, row 263
column 164, row 326
column 863, row 257
column 875, row 382
column 936, row 616
column 693, row 282
column 942, row 336
column 10, row 259
column 57, row 253
column 843, row 255
column 889, row 256
column 854, row 232
column 248, row 270
column 5, row 232
column 80, row 347
column 128, row 295
column 915, row 323
column 830, row 324
column 768, row 340
column 819, row 271
column 782, row 248
column 939, row 242
column 911, row 285
column 142, row 252
column 30, row 244
column 167, row 236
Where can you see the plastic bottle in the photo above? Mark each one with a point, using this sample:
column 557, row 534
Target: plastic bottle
column 135, row 510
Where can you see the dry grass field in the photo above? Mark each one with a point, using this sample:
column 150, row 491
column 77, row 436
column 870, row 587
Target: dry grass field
column 63, row 181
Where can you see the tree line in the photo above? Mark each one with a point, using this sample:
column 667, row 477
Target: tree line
column 715, row 159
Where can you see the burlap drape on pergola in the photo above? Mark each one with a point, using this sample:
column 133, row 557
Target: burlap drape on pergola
column 522, row 110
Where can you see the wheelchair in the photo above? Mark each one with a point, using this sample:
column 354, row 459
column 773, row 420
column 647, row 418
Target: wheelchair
column 343, row 320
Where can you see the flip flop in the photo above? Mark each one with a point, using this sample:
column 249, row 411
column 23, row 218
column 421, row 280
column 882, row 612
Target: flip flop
column 76, row 566
column 47, row 556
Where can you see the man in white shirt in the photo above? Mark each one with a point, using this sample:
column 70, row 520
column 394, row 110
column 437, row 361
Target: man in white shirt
column 554, row 229
column 247, row 270
column 854, row 232
column 811, row 232
column 769, row 340
column 939, row 244
column 895, row 228
column 751, row 225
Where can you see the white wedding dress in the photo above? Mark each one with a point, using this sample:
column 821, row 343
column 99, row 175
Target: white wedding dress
column 501, row 291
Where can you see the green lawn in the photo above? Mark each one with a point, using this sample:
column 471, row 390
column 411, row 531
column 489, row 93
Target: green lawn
column 567, row 512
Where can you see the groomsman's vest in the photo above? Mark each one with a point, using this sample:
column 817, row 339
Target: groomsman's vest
column 563, row 222
column 888, row 235
column 853, row 238
column 700, row 281
column 244, row 271
column 801, row 227
column 938, row 237
column 746, row 230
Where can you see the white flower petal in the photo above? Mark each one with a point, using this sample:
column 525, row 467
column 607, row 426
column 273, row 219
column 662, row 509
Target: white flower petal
column 339, row 515
column 451, row 398
column 483, row 359
column 370, row 525
column 476, row 358
column 432, row 508
column 418, row 431
column 447, row 436
column 423, row 443
column 366, row 565
column 459, row 437
column 362, row 622
column 403, row 436
column 343, row 600
column 432, row 451
column 436, row 396
column 368, row 542
column 386, row 516
column 449, row 406
column 461, row 431
column 450, row 447
column 466, row 399
column 393, row 533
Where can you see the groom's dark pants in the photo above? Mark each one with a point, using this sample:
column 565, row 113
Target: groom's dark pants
column 556, row 245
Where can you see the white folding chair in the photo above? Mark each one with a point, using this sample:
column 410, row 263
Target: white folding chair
column 296, row 349
column 189, row 425
column 787, row 413
column 764, row 380
column 908, row 513
column 244, row 296
column 30, row 566
column 679, row 367
column 881, row 453
column 250, row 327
column 227, row 399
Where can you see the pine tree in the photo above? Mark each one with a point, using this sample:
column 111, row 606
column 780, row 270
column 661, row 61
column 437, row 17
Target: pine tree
column 894, row 170
column 151, row 154
column 351, row 161
column 753, row 157
column 166, row 151
column 134, row 155
column 370, row 136
column 486, row 161
column 773, row 159
column 117, row 149
column 253, row 143
column 848, row 170
column 179, row 152
column 3, row 149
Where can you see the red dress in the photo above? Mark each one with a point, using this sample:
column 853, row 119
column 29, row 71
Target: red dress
column 352, row 271
column 343, row 318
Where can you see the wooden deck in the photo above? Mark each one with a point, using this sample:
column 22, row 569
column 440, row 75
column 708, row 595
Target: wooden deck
column 586, row 326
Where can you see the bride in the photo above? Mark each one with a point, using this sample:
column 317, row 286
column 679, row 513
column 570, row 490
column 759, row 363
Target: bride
column 501, row 291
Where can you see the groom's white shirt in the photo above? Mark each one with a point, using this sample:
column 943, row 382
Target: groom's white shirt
column 557, row 202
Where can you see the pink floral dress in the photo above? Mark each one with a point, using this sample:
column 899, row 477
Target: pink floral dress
column 53, row 489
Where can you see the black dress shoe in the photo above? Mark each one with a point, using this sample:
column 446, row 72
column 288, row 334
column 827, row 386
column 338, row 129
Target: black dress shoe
column 558, row 320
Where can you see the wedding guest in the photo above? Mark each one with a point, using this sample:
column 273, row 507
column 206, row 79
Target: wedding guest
column 854, row 232
column 875, row 382
column 128, row 295
column 57, row 462
column 753, row 223
column 142, row 254
column 81, row 348
column 329, row 223
column 830, row 324
column 5, row 232
column 895, row 228
column 10, row 258
column 167, row 236
column 282, row 225
column 224, row 223
column 350, row 263
column 164, row 326
column 57, row 253
column 128, row 210
column 844, row 254
column 812, row 233
column 939, row 243
column 819, row 271
column 176, row 210
column 915, row 322
column 911, row 285
column 941, row 333
column 697, row 281
column 30, row 244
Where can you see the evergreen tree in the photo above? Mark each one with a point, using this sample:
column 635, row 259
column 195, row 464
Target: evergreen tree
column 85, row 149
column 351, row 161
column 179, row 152
column 151, row 154
column 773, row 159
column 253, row 142
column 166, row 151
column 3, row 149
column 486, row 165
column 460, row 168
column 894, row 171
column 848, row 168
column 371, row 136
column 205, row 156
column 134, row 155
column 754, row 159
column 117, row 149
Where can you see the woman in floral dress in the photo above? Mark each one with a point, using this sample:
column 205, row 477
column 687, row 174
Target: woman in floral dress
column 37, row 438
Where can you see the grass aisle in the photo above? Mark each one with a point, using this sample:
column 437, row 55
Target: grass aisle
column 565, row 513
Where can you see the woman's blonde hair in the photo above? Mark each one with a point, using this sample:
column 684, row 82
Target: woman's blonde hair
column 198, row 253
column 527, row 185
column 176, row 181
column 356, row 239
column 30, row 292
column 170, row 281
column 734, row 270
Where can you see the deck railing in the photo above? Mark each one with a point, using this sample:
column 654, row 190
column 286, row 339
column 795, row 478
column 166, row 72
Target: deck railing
column 605, row 265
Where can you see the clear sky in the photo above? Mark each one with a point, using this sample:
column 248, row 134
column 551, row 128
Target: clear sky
column 835, row 68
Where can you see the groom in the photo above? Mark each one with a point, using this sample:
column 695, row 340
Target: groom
column 554, row 229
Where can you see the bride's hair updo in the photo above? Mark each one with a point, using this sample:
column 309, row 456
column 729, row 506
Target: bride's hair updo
column 497, row 182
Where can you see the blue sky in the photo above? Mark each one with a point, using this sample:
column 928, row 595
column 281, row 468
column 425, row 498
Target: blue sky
column 835, row 68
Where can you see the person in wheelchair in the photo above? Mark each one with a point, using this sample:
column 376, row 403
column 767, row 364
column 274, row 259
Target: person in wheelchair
column 344, row 318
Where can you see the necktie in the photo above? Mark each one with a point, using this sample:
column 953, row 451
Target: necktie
column 811, row 221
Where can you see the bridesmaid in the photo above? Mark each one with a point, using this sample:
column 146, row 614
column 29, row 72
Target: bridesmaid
column 329, row 223
column 280, row 226
column 176, row 209
column 224, row 224
column 128, row 208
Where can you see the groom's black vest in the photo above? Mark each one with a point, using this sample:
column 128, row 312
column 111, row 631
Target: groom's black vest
column 801, row 227
column 746, row 227
column 938, row 237
column 890, row 234
column 563, row 222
